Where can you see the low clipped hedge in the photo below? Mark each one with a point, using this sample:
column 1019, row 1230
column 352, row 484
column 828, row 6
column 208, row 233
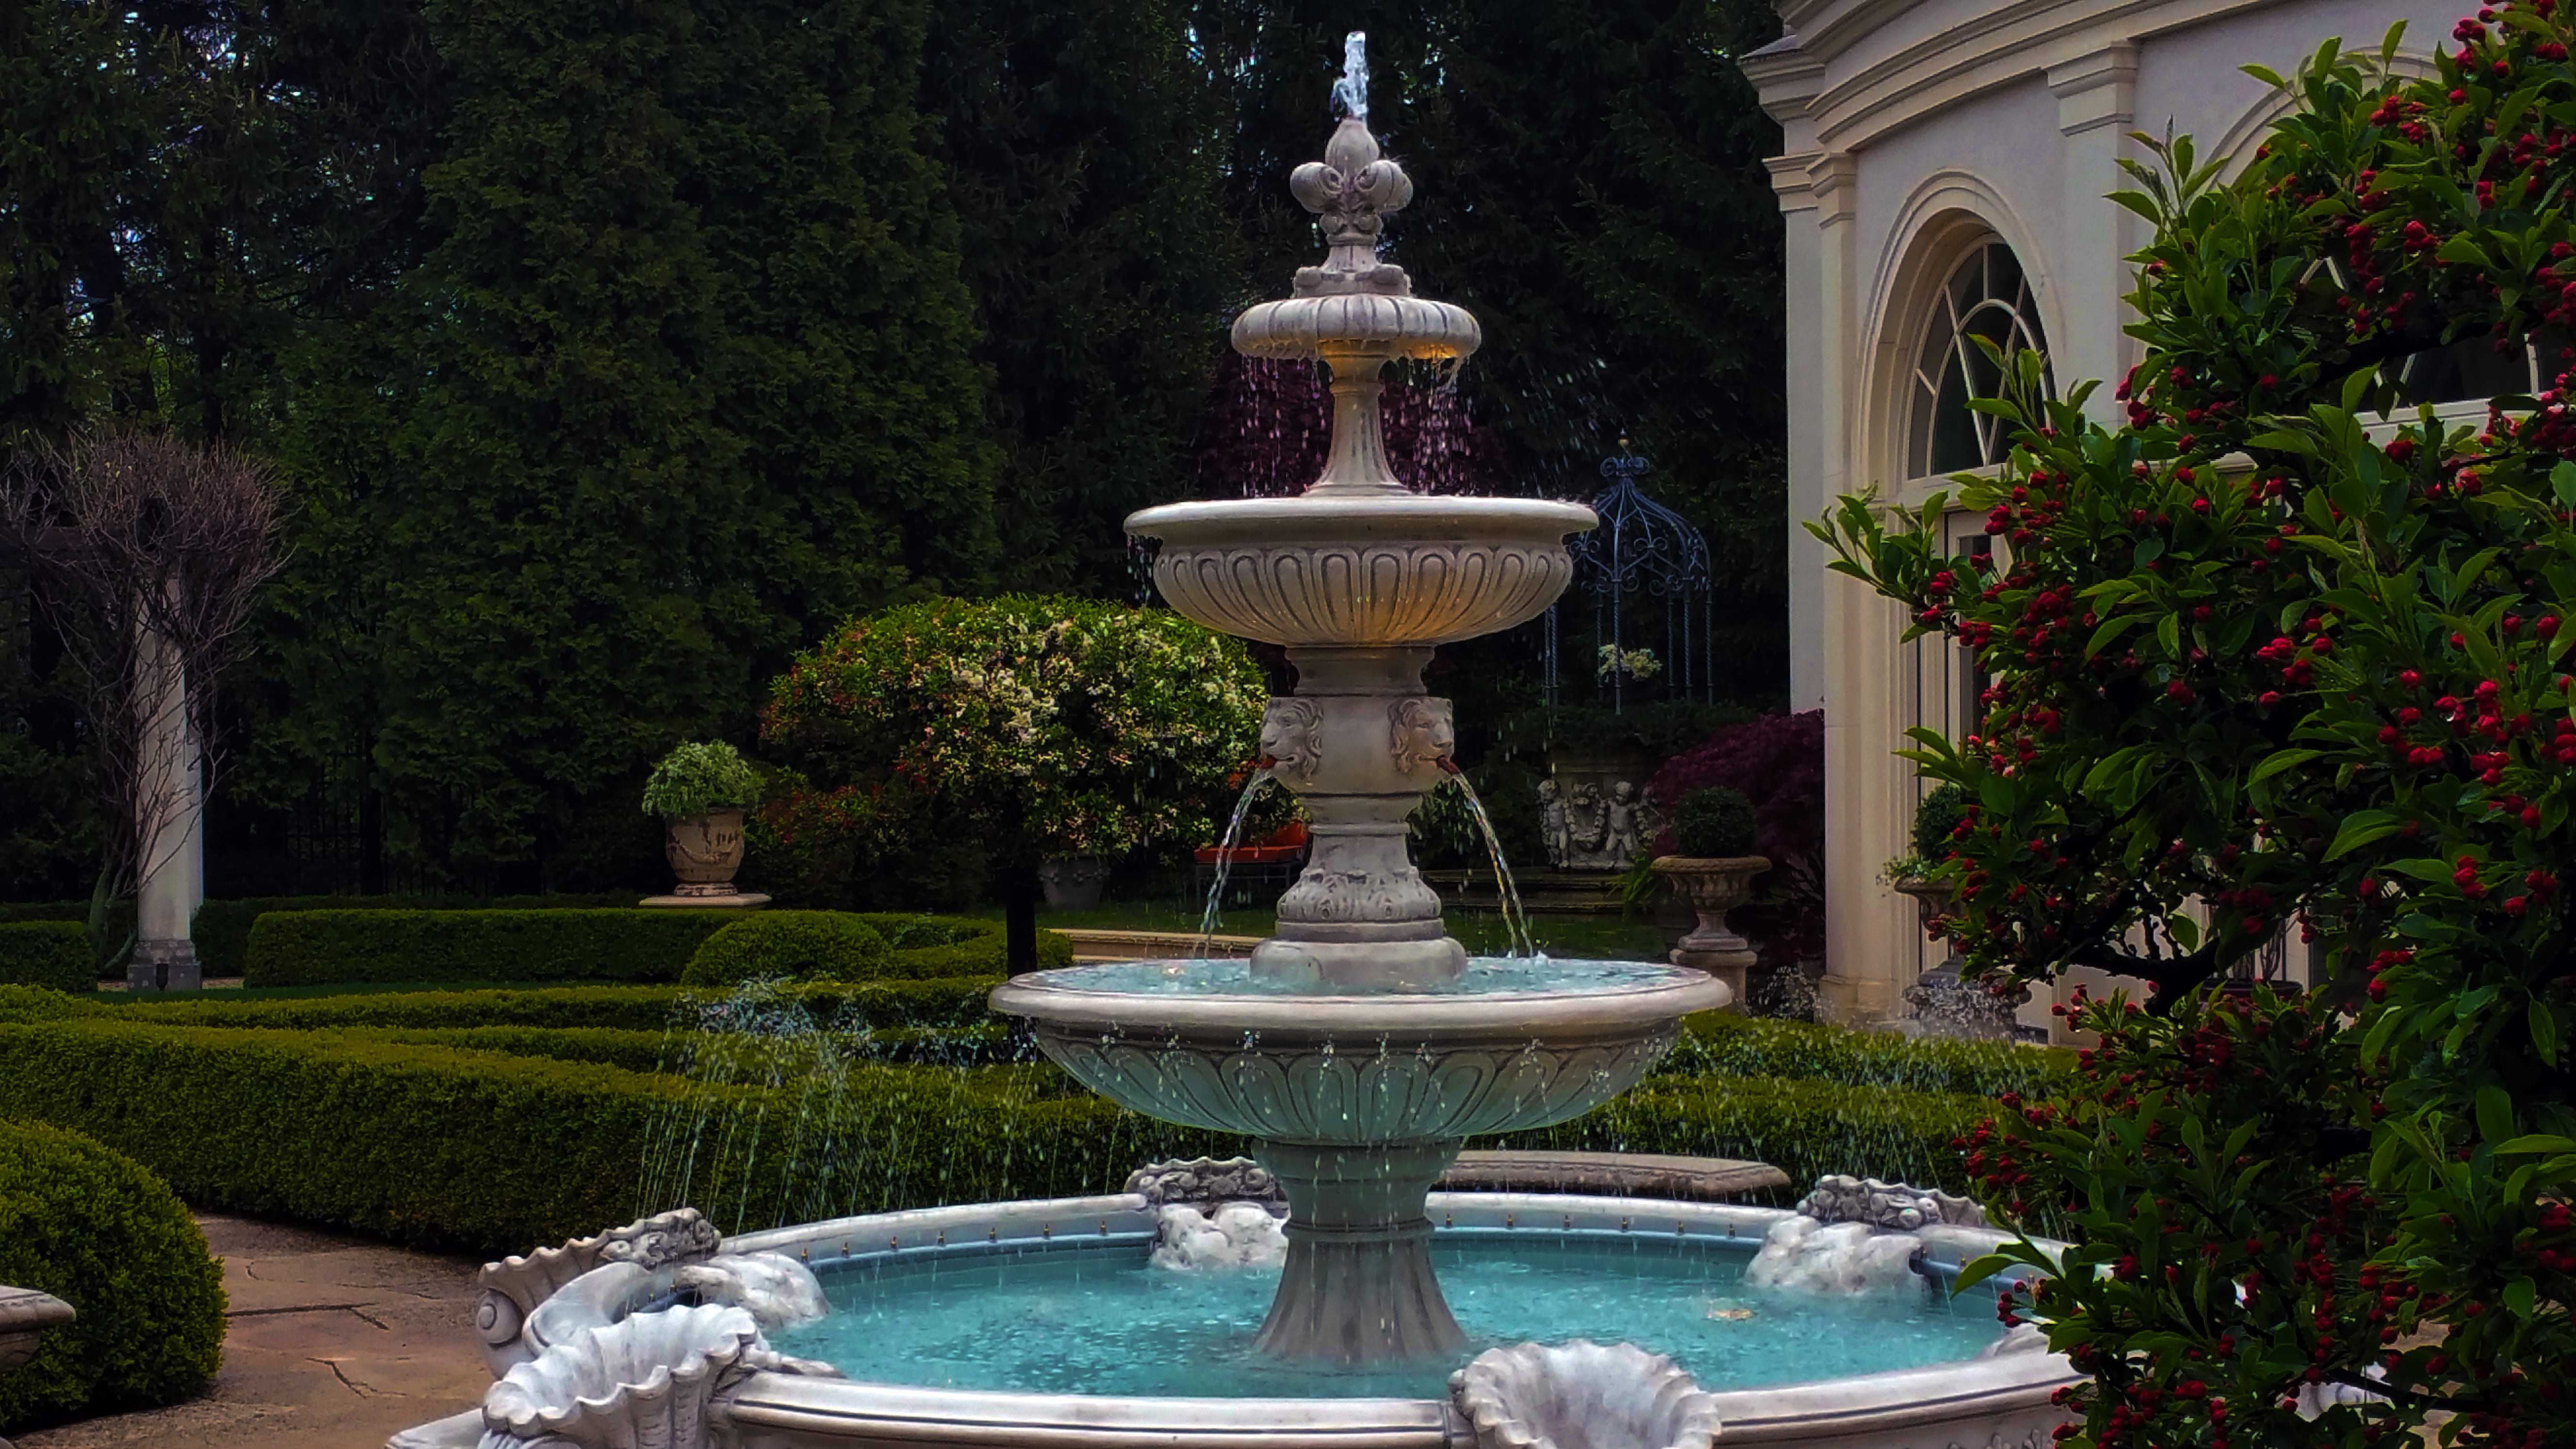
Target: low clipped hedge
column 328, row 947
column 95, row 1229
column 1724, row 1044
column 936, row 1003
column 47, row 953
column 791, row 945
column 313, row 948
column 221, row 928
column 441, row 1143
column 1805, row 1127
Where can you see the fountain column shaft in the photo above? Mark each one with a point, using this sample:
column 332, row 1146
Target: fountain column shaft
column 1360, row 744
column 1358, row 1287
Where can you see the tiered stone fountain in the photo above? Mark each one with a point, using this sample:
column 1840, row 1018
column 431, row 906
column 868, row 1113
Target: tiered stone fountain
column 1362, row 1046
column 1358, row 1047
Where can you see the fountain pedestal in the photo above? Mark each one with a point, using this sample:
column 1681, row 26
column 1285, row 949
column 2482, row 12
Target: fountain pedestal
column 1358, row 1287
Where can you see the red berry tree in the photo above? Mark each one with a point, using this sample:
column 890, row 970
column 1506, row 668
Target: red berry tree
column 2282, row 650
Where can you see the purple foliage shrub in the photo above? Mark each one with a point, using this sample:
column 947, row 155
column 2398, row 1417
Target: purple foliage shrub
column 1778, row 761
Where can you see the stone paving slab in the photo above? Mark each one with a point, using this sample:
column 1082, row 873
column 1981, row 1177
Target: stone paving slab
column 334, row 1342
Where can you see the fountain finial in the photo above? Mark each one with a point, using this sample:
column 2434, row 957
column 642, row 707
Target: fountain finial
column 1351, row 191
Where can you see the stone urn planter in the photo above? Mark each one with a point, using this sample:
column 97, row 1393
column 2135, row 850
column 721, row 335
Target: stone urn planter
column 704, row 851
column 1712, row 886
column 1942, row 1000
column 1073, row 882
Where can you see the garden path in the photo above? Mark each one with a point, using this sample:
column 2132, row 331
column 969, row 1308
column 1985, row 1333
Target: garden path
column 334, row 1342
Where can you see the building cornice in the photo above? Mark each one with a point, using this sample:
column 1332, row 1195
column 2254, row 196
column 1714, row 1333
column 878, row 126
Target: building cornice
column 1855, row 78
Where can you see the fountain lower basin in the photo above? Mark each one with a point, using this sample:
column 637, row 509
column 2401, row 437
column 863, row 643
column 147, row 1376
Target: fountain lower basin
column 1358, row 1102
column 2001, row 1400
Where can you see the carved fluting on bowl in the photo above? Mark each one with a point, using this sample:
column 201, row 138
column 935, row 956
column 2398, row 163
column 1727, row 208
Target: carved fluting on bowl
column 1315, row 1092
column 1362, row 594
column 1366, row 323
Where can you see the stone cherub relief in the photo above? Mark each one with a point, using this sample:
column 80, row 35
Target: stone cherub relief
column 1587, row 829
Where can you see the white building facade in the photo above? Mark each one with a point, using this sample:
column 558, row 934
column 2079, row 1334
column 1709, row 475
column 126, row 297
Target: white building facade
column 1944, row 170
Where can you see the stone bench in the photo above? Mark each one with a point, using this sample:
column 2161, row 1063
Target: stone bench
column 25, row 1314
column 1612, row 1174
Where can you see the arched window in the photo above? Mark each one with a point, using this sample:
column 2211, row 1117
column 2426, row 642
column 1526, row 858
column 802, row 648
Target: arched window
column 1986, row 296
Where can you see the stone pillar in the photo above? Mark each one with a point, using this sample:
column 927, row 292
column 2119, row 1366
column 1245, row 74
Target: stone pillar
column 169, row 816
column 2096, row 109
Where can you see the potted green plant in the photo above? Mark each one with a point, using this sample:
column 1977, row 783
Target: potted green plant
column 701, row 790
column 1712, row 870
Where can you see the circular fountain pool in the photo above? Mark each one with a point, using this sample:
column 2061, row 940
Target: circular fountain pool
column 1093, row 1316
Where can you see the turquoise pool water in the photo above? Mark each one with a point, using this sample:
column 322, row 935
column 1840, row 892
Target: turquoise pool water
column 1101, row 1321
column 1485, row 976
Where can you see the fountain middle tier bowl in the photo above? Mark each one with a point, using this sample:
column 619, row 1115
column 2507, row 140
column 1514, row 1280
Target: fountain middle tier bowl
column 1362, row 570
column 1510, row 1045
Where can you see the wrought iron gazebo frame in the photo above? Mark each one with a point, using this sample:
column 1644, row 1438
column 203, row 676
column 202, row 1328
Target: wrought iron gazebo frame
column 1639, row 547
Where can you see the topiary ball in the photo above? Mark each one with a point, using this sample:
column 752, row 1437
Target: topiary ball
column 1714, row 822
column 796, row 945
column 97, row 1230
column 1934, row 819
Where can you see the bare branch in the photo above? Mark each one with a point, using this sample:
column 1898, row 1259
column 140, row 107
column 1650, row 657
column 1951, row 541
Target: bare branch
column 147, row 553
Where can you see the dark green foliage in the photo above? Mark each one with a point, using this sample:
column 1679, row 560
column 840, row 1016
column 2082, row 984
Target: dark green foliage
column 1716, row 821
column 47, row 953
column 302, row 948
column 95, row 1229
column 1080, row 144
column 702, row 241
column 1940, row 814
column 796, row 945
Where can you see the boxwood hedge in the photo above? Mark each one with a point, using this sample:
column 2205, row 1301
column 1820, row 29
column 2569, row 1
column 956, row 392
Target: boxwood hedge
column 47, row 953
column 320, row 947
column 497, row 1120
column 98, row 1231
column 221, row 929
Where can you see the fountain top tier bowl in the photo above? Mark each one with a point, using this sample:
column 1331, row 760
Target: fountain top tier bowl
column 1358, row 561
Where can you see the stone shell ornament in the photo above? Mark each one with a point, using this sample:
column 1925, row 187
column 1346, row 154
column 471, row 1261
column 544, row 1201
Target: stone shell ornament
column 1582, row 1395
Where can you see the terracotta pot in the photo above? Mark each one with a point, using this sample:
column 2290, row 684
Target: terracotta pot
column 1073, row 882
column 704, row 851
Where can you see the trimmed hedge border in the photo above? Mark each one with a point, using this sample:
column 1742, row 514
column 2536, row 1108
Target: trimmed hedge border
column 47, row 953
column 501, row 1120
column 1724, row 1044
column 453, row 1146
column 221, row 929
column 97, row 1230
column 328, row 947
column 939, row 1002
